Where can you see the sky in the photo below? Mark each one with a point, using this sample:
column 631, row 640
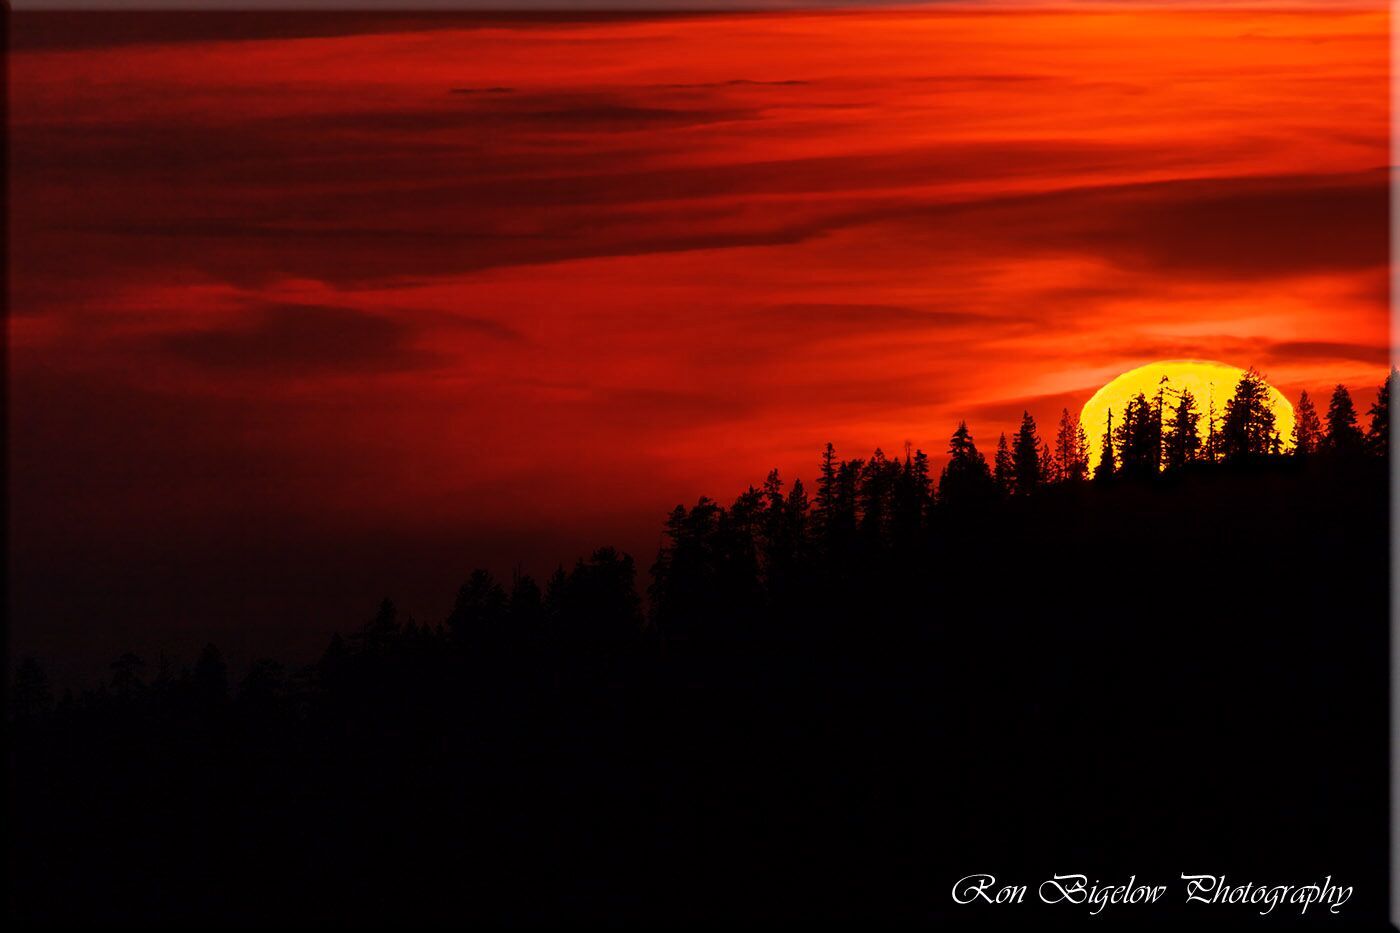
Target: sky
column 309, row 309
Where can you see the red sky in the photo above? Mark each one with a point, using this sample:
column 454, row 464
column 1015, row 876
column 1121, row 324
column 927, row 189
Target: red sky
column 343, row 305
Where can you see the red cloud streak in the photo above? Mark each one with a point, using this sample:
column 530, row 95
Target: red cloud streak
column 308, row 315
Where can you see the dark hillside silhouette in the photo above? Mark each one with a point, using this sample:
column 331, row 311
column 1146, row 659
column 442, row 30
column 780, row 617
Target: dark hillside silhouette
column 831, row 706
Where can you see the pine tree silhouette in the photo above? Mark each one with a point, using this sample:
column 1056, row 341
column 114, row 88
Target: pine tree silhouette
column 1107, row 466
column 965, row 480
column 1343, row 435
column 1211, row 448
column 1307, row 427
column 1003, row 471
column 1182, row 441
column 1378, row 434
column 385, row 624
column 600, row 598
column 526, row 609
column 1137, row 438
column 1248, row 428
column 1071, row 449
column 875, row 497
column 923, row 485
column 911, row 499
column 825, row 502
column 478, row 614
column 1025, row 457
column 685, row 577
column 1160, row 412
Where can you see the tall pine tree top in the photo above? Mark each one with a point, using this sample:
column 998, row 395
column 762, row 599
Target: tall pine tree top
column 1071, row 449
column 1378, row 435
column 966, row 478
column 1106, row 466
column 1025, row 456
column 1307, row 427
column 1181, row 443
column 1248, row 427
column 1343, row 435
column 1002, row 469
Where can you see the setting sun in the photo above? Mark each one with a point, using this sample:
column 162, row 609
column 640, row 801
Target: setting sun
column 1210, row 382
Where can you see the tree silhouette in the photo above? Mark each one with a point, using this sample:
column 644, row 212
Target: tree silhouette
column 1138, row 438
column 875, row 496
column 1003, row 470
column 554, row 601
column 478, row 614
column 1160, row 410
column 842, row 520
column 1071, row 456
column 913, row 499
column 526, row 609
column 1378, row 434
column 1343, row 435
column 1210, row 450
column 1307, row 427
column 784, row 533
column 1025, row 457
column 826, row 487
column 685, row 578
column 600, row 598
column 385, row 624
column 1248, row 428
column 1182, row 442
column 1107, row 465
column 965, row 479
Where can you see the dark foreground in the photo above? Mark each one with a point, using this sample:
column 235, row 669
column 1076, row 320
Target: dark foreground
column 1186, row 676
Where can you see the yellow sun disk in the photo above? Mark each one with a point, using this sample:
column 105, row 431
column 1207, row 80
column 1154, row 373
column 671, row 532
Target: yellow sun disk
column 1206, row 379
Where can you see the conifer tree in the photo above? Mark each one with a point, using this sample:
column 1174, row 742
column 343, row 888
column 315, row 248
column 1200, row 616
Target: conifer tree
column 1003, row 472
column 1025, row 457
column 1049, row 468
column 1248, row 428
column 1343, row 435
column 798, row 515
column 845, row 508
column 797, row 508
column 1378, row 435
column 1159, row 428
column 1211, row 449
column 1137, row 438
column 966, row 479
column 911, row 499
column 826, row 485
column 923, row 483
column 875, row 495
column 479, row 612
column 1182, row 441
column 1071, row 457
column 1307, row 427
column 1106, row 466
column 526, row 607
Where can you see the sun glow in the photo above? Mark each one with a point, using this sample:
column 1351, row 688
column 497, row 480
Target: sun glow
column 1210, row 382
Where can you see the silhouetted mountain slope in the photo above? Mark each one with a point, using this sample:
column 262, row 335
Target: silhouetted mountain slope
column 823, row 719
